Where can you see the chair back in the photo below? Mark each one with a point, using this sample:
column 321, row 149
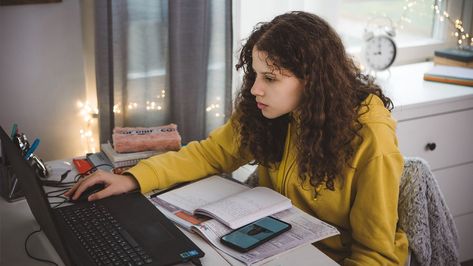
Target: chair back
column 425, row 217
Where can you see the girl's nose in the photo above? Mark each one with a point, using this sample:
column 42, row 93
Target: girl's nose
column 257, row 90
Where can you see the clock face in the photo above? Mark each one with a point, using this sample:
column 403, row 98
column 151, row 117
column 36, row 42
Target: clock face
column 379, row 52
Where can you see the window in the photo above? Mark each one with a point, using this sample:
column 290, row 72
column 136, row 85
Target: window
column 419, row 30
column 413, row 21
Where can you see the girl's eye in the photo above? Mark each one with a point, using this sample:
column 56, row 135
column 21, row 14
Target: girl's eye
column 270, row 79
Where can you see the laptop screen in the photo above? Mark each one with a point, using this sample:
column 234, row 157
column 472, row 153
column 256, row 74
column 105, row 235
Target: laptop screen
column 34, row 193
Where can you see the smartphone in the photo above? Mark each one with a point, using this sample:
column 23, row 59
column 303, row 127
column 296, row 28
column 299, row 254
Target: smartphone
column 100, row 161
column 254, row 234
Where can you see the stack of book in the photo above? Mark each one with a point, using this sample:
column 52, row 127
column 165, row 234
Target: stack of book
column 450, row 74
column 128, row 159
column 454, row 57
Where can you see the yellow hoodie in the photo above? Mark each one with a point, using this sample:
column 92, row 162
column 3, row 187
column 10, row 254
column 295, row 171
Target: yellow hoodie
column 363, row 206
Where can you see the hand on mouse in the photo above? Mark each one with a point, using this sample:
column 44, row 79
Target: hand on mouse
column 114, row 185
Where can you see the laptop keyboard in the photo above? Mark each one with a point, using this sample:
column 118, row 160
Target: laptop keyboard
column 102, row 236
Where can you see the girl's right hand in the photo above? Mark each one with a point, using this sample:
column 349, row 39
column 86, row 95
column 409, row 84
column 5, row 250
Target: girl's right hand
column 114, row 185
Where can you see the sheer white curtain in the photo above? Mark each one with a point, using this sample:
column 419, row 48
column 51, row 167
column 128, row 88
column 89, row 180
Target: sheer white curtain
column 143, row 102
column 162, row 62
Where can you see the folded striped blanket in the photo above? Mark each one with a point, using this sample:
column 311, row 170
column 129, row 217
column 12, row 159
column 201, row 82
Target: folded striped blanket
column 135, row 139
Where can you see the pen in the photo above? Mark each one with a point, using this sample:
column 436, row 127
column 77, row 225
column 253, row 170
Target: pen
column 12, row 191
column 168, row 189
column 14, row 130
column 32, row 148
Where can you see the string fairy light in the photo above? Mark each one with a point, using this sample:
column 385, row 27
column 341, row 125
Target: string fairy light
column 215, row 107
column 404, row 16
column 88, row 113
column 462, row 38
column 117, row 109
column 156, row 105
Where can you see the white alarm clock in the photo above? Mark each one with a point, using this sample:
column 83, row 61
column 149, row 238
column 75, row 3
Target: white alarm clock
column 379, row 49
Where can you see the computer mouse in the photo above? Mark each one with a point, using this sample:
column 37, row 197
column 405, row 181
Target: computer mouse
column 87, row 192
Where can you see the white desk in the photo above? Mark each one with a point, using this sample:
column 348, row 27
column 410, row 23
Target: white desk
column 17, row 221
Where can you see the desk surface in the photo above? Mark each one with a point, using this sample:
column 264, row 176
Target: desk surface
column 414, row 97
column 17, row 221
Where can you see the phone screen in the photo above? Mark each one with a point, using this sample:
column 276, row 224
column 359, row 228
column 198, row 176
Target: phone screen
column 254, row 234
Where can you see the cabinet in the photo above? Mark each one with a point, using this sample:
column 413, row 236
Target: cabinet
column 435, row 122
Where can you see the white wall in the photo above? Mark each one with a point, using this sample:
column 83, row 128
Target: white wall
column 42, row 75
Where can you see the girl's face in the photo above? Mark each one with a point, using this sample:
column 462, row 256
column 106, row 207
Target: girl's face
column 277, row 92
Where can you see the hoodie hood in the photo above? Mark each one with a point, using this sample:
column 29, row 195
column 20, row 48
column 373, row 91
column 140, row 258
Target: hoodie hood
column 372, row 110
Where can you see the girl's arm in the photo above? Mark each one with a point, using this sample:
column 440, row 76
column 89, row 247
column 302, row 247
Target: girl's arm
column 216, row 154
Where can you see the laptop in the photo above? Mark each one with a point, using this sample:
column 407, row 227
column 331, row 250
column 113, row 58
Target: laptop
column 119, row 230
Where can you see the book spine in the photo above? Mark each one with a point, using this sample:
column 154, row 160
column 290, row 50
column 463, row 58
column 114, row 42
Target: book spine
column 146, row 132
column 449, row 80
column 126, row 163
column 450, row 62
column 123, row 158
column 462, row 56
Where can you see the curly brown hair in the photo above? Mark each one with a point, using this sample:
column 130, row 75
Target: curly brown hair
column 334, row 89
